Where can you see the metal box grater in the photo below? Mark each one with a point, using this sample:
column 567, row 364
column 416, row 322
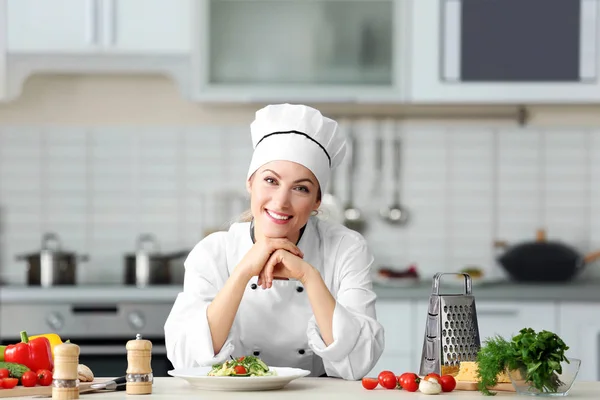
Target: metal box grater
column 451, row 331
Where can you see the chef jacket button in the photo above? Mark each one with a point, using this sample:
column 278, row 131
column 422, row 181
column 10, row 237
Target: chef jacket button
column 256, row 353
column 253, row 286
column 299, row 289
column 301, row 351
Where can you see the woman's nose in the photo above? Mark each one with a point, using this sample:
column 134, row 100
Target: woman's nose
column 282, row 197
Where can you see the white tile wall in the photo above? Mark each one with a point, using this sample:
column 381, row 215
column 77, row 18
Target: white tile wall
column 465, row 186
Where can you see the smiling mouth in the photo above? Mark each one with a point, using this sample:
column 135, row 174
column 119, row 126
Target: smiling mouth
column 277, row 216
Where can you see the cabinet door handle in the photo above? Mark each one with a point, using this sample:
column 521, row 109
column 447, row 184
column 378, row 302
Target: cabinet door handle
column 110, row 23
column 451, row 43
column 588, row 39
column 91, row 23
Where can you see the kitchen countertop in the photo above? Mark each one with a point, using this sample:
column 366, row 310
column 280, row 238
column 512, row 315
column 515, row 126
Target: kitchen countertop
column 580, row 291
column 320, row 388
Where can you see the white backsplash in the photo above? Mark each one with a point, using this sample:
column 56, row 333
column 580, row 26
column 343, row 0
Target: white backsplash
column 465, row 186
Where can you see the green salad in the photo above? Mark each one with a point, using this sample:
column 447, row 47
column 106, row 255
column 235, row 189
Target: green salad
column 243, row 366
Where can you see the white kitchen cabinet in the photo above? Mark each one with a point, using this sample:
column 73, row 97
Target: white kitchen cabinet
column 98, row 37
column 52, row 26
column 504, row 51
column 397, row 318
column 99, row 26
column 296, row 50
column 508, row 318
column 149, row 26
column 580, row 330
column 3, row 73
column 397, row 363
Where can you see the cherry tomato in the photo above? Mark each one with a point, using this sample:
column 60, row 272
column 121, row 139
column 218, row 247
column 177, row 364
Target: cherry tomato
column 409, row 381
column 370, row 383
column 9, row 383
column 387, row 379
column 44, row 377
column 240, row 370
column 29, row 379
column 433, row 375
column 4, row 373
column 448, row 383
column 241, row 358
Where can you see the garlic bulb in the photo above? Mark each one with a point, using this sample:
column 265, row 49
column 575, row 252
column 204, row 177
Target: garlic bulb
column 430, row 386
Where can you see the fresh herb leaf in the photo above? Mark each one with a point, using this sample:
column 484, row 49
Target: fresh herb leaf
column 491, row 361
column 538, row 355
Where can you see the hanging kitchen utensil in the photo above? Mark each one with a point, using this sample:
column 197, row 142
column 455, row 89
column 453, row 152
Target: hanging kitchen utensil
column 51, row 266
column 396, row 214
column 377, row 182
column 353, row 217
column 451, row 330
column 544, row 261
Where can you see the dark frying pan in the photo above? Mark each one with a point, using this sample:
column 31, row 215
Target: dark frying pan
column 544, row 261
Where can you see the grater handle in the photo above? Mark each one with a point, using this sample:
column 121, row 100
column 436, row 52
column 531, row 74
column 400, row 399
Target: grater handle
column 437, row 277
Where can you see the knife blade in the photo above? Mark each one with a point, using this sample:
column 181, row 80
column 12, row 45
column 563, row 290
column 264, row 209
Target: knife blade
column 119, row 383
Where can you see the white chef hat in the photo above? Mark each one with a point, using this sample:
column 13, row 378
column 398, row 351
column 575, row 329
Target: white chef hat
column 300, row 134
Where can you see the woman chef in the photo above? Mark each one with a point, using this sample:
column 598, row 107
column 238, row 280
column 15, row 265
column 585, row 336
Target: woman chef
column 320, row 314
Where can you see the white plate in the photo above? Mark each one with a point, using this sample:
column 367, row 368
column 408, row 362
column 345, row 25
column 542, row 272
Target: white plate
column 395, row 282
column 198, row 378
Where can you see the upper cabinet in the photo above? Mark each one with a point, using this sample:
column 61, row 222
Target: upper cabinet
column 51, row 26
column 3, row 77
column 318, row 50
column 98, row 36
column 99, row 26
column 505, row 51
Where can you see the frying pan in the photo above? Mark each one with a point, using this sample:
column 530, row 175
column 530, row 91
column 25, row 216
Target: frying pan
column 544, row 261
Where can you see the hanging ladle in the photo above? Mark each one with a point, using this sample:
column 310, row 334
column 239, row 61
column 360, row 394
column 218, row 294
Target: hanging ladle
column 353, row 217
column 395, row 214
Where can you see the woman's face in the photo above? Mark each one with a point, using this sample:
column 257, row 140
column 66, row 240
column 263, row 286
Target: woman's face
column 283, row 194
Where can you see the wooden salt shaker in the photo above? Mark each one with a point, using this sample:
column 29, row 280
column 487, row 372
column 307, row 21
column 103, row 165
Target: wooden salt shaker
column 139, row 370
column 65, row 384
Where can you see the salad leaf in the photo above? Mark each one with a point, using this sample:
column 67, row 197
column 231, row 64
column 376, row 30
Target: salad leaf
column 252, row 366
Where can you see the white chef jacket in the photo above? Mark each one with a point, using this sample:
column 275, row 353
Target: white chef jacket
column 277, row 324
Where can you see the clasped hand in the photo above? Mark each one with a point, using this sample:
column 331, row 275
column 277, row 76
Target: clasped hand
column 272, row 258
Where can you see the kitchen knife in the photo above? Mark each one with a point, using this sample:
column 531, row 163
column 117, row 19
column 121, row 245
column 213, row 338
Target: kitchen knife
column 119, row 383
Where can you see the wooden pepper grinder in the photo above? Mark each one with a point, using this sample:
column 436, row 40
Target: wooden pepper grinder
column 139, row 370
column 65, row 385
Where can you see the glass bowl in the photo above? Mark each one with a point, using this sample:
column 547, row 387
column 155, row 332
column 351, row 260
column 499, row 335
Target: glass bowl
column 567, row 378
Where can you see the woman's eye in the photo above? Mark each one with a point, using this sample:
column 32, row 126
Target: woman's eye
column 303, row 189
column 269, row 180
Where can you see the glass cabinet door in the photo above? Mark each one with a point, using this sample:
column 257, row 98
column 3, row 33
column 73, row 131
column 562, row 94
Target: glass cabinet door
column 298, row 43
column 504, row 51
column 520, row 40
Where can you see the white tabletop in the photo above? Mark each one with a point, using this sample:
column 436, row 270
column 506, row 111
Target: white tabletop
column 319, row 388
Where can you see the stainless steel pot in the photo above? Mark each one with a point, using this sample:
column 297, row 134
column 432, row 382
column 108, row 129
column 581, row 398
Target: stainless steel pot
column 148, row 266
column 51, row 266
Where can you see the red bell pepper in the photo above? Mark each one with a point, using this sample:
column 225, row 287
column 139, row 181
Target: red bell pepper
column 35, row 354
